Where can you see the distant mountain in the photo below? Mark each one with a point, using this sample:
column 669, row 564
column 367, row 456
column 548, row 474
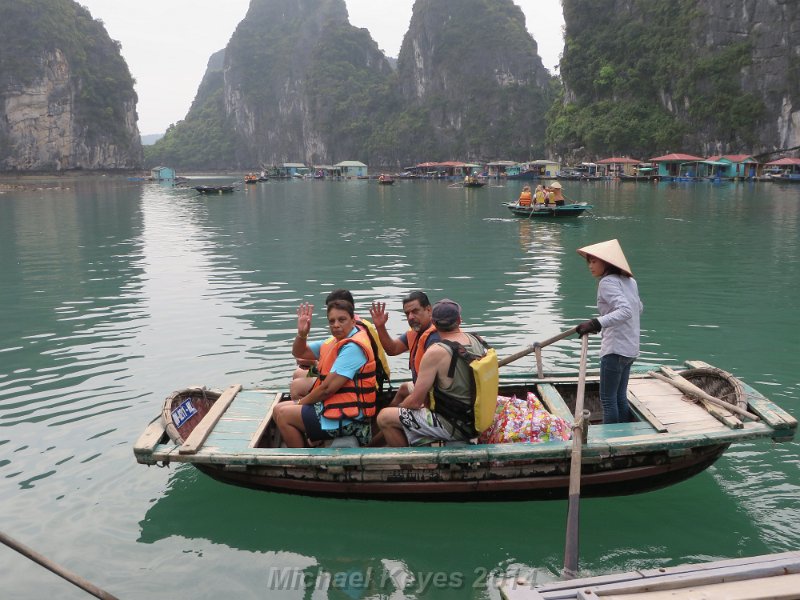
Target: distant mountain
column 299, row 83
column 151, row 138
column 66, row 95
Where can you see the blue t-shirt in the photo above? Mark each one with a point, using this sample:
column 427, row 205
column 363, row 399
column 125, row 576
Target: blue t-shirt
column 349, row 361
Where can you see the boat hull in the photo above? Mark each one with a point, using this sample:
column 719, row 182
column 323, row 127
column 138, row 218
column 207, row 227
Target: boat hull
column 548, row 212
column 419, row 485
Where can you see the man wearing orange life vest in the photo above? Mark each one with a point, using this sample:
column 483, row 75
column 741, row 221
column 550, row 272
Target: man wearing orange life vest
column 420, row 336
column 413, row 421
column 342, row 399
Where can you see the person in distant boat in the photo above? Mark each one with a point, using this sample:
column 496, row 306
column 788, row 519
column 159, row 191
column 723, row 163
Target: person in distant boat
column 306, row 371
column 620, row 308
column 525, row 197
column 539, row 195
column 420, row 336
column 342, row 399
column 555, row 195
column 413, row 422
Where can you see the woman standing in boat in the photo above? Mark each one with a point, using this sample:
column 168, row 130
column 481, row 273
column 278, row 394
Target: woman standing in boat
column 342, row 399
column 620, row 307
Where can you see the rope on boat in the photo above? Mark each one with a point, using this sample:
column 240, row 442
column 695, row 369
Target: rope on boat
column 55, row 568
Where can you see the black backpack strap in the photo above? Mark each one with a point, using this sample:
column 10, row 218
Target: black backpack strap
column 457, row 350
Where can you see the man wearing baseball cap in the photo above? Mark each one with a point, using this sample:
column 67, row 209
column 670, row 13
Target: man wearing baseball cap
column 413, row 422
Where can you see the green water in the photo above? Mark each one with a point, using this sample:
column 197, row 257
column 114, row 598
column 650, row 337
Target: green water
column 113, row 294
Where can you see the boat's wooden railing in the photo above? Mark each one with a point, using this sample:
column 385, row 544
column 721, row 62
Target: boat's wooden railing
column 201, row 432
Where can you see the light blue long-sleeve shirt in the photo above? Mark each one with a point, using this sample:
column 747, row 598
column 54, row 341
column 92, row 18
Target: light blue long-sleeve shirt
column 619, row 306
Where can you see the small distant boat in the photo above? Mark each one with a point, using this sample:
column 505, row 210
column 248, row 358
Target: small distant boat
column 215, row 189
column 548, row 211
column 473, row 182
column 385, row 180
column 251, row 178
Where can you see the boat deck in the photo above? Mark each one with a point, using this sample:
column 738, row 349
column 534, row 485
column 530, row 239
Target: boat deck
column 766, row 576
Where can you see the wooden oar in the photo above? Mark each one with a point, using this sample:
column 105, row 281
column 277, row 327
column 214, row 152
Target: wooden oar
column 532, row 348
column 573, row 509
column 55, row 568
column 687, row 387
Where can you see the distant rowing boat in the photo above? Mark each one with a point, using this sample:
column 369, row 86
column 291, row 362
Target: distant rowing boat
column 548, row 211
column 215, row 189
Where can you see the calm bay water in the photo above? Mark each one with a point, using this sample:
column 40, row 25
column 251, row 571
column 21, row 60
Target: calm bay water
column 113, row 294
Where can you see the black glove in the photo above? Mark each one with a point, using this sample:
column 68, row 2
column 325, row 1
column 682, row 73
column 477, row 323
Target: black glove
column 590, row 326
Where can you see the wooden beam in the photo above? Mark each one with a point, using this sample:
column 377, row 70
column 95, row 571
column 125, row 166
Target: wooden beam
column 646, row 413
column 204, row 427
column 265, row 422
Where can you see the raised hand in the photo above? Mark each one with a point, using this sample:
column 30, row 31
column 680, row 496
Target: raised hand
column 304, row 314
column 378, row 313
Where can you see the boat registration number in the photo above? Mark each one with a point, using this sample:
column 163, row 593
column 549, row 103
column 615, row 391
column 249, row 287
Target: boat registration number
column 185, row 411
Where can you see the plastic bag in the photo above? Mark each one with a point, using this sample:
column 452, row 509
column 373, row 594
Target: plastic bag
column 518, row 420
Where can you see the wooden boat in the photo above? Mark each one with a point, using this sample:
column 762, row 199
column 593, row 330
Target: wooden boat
column 473, row 182
column 232, row 437
column 215, row 189
column 548, row 211
column 251, row 178
column 750, row 578
column 385, row 180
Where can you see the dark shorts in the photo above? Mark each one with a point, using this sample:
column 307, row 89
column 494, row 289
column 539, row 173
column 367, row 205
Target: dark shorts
column 310, row 414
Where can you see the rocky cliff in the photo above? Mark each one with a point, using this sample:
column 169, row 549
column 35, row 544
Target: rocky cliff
column 473, row 70
column 702, row 76
column 771, row 30
column 300, row 83
column 295, row 72
column 66, row 95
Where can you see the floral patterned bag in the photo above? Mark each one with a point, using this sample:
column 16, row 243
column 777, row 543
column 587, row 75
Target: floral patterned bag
column 518, row 420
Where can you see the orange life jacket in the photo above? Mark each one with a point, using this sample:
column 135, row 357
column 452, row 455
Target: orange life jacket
column 356, row 394
column 525, row 199
column 416, row 348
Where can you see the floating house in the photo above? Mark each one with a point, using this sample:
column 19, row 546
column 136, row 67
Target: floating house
column 789, row 169
column 674, row 166
column 546, row 169
column 351, row 169
column 616, row 166
column 498, row 168
column 289, row 169
column 162, row 174
column 735, row 166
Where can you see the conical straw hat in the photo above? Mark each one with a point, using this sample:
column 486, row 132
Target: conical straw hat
column 610, row 252
column 555, row 186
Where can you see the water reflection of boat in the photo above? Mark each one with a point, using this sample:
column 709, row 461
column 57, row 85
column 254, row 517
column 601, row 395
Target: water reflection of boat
column 231, row 436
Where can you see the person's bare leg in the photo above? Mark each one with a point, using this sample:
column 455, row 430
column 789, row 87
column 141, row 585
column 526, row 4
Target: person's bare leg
column 300, row 387
column 288, row 417
column 392, row 429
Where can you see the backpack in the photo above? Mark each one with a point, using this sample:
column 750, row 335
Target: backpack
column 476, row 416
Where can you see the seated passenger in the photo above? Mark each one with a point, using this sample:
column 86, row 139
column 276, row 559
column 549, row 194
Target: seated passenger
column 342, row 398
column 306, row 372
column 525, row 197
column 539, row 195
column 413, row 422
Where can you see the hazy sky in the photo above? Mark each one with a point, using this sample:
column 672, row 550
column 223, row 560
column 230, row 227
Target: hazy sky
column 167, row 43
